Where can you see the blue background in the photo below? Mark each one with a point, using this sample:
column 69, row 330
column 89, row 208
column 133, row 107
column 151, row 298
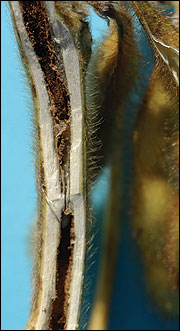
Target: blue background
column 130, row 309
column 18, row 183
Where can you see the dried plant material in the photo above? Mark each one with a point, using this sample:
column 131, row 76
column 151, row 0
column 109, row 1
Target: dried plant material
column 52, row 62
column 96, row 108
